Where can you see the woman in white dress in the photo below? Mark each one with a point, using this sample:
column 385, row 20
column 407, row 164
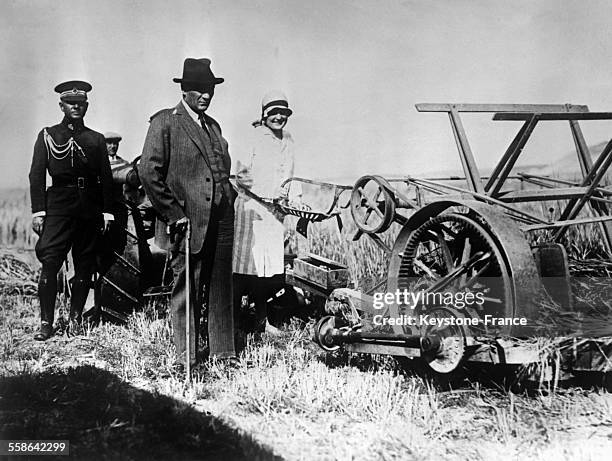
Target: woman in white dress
column 258, row 257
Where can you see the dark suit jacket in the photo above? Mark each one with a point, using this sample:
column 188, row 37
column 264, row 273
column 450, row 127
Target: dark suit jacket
column 175, row 172
column 92, row 164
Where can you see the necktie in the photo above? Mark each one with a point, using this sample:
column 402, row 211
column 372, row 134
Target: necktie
column 204, row 126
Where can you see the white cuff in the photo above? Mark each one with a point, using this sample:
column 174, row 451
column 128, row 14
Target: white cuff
column 39, row 213
column 108, row 217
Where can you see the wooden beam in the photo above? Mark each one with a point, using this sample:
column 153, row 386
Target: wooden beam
column 586, row 165
column 582, row 149
column 498, row 178
column 529, row 108
column 569, row 222
column 528, row 216
column 592, row 180
column 521, row 116
column 529, row 176
column 555, row 193
column 502, row 162
column 465, row 153
column 598, row 190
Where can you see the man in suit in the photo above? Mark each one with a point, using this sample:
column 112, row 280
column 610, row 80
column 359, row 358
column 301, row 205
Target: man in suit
column 77, row 207
column 185, row 169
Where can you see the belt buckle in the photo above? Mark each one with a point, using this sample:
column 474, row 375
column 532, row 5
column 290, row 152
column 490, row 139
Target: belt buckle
column 81, row 182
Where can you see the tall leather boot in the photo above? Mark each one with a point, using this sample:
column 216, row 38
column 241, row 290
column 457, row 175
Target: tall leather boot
column 80, row 290
column 47, row 289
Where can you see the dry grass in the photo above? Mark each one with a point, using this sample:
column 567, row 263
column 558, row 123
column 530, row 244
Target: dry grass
column 306, row 405
column 16, row 219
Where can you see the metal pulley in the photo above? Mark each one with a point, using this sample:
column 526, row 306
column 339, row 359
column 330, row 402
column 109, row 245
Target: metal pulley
column 373, row 204
column 452, row 340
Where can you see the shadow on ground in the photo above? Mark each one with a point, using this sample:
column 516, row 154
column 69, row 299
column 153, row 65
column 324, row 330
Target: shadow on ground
column 512, row 378
column 105, row 418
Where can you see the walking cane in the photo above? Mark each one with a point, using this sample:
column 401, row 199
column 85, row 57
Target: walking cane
column 188, row 300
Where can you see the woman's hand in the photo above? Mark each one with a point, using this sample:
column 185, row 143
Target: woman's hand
column 244, row 180
column 243, row 176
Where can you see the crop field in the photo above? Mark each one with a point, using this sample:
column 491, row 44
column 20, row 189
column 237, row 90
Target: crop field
column 15, row 219
column 114, row 393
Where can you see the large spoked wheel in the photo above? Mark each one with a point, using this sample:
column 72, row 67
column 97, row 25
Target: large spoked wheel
column 372, row 204
column 456, row 263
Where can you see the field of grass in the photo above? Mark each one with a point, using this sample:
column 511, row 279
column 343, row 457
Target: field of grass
column 16, row 219
column 115, row 393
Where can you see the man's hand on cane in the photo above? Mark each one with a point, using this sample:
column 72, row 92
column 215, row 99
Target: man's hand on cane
column 181, row 225
column 106, row 225
column 178, row 227
column 37, row 224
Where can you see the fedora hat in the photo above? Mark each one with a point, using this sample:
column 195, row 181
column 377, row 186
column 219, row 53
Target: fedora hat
column 197, row 73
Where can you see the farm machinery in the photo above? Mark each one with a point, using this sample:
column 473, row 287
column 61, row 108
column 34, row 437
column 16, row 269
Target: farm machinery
column 465, row 282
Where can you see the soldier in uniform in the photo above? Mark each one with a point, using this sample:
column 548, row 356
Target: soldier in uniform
column 72, row 212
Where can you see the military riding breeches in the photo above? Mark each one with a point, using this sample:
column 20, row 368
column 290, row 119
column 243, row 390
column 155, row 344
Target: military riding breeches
column 60, row 234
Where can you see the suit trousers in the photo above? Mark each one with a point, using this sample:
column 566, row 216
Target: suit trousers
column 210, row 284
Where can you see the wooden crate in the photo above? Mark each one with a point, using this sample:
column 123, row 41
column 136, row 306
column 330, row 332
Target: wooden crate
column 320, row 271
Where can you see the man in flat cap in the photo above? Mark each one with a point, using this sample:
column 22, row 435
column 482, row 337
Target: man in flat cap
column 112, row 146
column 185, row 169
column 115, row 239
column 76, row 208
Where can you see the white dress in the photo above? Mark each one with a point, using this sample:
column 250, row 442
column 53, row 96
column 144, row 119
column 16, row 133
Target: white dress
column 258, row 235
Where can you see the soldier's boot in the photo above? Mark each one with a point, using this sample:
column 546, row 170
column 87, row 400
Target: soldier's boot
column 94, row 314
column 47, row 289
column 80, row 290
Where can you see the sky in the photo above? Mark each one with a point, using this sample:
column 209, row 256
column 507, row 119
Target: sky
column 352, row 70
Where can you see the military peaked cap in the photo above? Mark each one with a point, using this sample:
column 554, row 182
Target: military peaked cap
column 73, row 90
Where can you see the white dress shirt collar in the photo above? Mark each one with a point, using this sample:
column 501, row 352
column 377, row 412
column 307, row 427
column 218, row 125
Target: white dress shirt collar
column 194, row 115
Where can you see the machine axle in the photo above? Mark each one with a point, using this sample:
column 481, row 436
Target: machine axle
column 331, row 338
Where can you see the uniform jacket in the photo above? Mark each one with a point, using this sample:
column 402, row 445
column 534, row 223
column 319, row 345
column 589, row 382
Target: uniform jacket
column 175, row 172
column 92, row 165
